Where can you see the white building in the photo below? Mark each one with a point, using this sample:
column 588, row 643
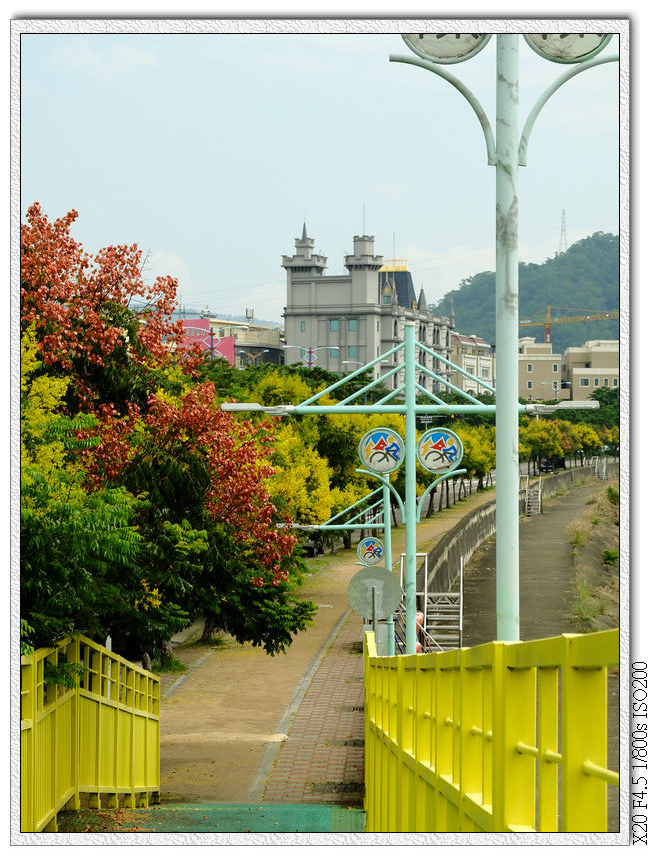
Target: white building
column 474, row 356
column 342, row 322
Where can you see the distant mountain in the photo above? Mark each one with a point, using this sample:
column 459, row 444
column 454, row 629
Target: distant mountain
column 584, row 278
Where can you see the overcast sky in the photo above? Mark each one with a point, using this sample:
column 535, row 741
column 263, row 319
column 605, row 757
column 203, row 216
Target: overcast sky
column 209, row 150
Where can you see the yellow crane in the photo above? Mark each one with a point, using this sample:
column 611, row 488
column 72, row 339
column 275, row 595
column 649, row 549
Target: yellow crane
column 586, row 315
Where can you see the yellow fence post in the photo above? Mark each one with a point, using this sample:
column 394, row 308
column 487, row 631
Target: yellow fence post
column 73, row 656
column 445, row 809
column 424, row 743
column 27, row 742
column 584, row 738
column 472, row 735
column 547, row 727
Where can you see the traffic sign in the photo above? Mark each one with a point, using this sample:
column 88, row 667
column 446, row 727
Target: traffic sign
column 381, row 450
column 387, row 593
column 370, row 551
column 439, row 450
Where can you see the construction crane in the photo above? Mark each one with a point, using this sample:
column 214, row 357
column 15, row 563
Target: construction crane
column 586, row 315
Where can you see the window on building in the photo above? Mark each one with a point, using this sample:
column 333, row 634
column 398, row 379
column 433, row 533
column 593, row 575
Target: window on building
column 596, row 382
column 353, row 324
column 529, row 385
column 386, row 298
column 353, row 351
column 334, row 352
column 606, row 382
column 334, row 325
column 302, row 326
column 615, row 382
column 530, row 367
column 485, row 372
column 584, row 382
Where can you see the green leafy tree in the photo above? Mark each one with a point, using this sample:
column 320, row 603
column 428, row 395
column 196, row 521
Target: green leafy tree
column 163, row 506
column 72, row 539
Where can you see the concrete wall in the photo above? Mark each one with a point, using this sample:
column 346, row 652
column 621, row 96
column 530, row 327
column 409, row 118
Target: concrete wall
column 467, row 536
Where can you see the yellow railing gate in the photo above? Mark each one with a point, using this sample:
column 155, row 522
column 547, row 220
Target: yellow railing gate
column 502, row 737
column 101, row 737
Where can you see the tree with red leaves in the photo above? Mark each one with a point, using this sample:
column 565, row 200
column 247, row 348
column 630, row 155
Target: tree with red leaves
column 209, row 541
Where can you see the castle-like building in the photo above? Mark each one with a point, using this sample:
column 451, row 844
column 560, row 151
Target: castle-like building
column 342, row 322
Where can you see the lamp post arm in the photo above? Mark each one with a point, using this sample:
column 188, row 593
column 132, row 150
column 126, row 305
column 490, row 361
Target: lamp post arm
column 386, row 485
column 546, row 95
column 465, row 91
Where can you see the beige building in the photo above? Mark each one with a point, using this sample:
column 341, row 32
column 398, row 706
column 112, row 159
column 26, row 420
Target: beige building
column 540, row 372
column 474, row 356
column 343, row 321
column 254, row 343
column 593, row 365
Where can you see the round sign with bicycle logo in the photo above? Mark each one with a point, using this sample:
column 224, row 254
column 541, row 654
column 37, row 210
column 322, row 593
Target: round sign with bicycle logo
column 381, row 450
column 439, row 450
column 370, row 551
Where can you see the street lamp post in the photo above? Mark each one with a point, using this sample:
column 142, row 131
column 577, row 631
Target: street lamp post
column 254, row 357
column 506, row 151
column 310, row 352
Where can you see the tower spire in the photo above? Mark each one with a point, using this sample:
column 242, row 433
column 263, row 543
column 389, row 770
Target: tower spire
column 563, row 242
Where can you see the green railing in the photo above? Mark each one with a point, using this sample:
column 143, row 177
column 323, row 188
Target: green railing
column 100, row 737
column 502, row 737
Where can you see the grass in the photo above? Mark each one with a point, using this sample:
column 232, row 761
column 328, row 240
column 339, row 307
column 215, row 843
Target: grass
column 610, row 557
column 588, row 605
column 168, row 664
column 593, row 538
column 578, row 533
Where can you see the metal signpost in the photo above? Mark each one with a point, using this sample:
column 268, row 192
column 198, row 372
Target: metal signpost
column 506, row 152
column 384, row 451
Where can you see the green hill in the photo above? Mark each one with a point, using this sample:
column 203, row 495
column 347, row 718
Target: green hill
column 584, row 278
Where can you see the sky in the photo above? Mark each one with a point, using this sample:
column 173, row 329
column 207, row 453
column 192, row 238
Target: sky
column 210, row 149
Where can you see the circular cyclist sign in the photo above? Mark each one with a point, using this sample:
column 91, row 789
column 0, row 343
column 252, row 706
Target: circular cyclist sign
column 370, row 551
column 439, row 450
column 381, row 450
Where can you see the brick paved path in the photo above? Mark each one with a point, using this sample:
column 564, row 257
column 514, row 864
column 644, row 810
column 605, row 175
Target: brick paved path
column 322, row 758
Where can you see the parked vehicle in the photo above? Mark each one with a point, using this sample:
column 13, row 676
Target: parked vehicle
column 552, row 464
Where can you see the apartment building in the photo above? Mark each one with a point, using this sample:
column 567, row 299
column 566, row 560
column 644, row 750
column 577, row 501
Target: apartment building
column 594, row 364
column 474, row 356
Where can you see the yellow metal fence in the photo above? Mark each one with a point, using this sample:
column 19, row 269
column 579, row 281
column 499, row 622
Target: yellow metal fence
column 502, row 737
column 101, row 737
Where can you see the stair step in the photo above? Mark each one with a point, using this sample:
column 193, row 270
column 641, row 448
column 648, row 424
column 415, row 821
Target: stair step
column 225, row 817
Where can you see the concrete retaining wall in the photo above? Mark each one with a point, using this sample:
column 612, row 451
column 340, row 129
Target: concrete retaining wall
column 465, row 538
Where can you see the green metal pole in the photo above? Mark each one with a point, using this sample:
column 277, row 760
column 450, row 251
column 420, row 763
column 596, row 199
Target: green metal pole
column 411, row 491
column 388, row 558
column 507, row 314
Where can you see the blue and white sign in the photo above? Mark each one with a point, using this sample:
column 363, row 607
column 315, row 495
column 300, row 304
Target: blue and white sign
column 439, row 450
column 381, row 450
column 370, row 551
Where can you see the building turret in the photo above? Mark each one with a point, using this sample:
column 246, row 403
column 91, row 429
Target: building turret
column 304, row 262
column 363, row 265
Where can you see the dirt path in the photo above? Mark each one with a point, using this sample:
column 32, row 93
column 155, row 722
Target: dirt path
column 219, row 720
